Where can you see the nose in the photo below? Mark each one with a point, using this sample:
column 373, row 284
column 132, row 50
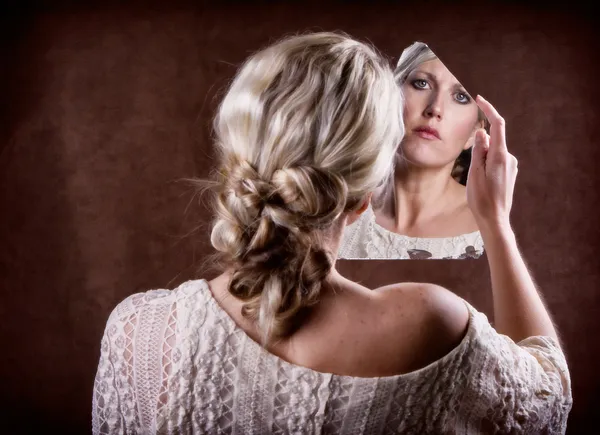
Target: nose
column 434, row 108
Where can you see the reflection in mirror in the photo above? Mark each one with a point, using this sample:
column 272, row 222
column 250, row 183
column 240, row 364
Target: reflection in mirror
column 422, row 213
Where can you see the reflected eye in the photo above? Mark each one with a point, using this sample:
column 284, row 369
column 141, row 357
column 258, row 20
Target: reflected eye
column 462, row 98
column 419, row 83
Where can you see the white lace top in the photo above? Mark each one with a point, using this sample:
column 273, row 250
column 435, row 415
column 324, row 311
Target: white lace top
column 174, row 362
column 365, row 239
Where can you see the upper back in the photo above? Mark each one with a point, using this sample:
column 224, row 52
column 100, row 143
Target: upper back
column 175, row 362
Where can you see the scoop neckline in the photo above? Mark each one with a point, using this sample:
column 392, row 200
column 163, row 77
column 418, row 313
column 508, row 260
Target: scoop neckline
column 372, row 217
column 282, row 362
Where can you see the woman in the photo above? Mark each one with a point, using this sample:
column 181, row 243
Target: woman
column 306, row 131
column 422, row 213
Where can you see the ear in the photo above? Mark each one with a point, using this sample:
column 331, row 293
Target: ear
column 366, row 203
column 354, row 215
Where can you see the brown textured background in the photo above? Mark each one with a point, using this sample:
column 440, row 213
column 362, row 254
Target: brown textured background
column 105, row 107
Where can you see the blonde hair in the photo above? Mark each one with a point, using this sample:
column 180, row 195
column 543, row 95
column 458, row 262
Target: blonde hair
column 308, row 127
column 410, row 59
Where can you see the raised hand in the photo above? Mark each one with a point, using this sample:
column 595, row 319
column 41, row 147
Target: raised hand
column 493, row 172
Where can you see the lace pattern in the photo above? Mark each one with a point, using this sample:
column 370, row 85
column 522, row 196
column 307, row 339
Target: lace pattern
column 174, row 362
column 365, row 239
column 307, row 407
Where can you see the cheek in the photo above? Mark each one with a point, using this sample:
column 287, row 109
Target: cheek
column 462, row 124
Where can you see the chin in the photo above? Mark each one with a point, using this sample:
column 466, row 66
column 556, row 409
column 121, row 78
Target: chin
column 424, row 153
column 422, row 156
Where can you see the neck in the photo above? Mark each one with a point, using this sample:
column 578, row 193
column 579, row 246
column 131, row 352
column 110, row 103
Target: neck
column 419, row 195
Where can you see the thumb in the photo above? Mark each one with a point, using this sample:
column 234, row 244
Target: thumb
column 481, row 146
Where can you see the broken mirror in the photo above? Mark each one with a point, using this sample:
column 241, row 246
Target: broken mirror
column 422, row 211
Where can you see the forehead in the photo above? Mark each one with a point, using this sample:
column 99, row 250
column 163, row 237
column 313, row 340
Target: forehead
column 438, row 71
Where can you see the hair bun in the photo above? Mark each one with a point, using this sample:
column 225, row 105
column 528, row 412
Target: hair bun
column 300, row 197
column 315, row 196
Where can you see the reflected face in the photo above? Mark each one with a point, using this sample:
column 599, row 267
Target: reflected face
column 440, row 117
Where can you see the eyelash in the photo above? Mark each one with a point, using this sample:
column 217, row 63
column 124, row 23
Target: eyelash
column 413, row 83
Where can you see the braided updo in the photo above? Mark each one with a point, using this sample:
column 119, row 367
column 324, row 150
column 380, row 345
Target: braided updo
column 309, row 126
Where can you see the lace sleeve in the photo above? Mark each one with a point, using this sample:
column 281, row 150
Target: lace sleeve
column 134, row 364
column 522, row 387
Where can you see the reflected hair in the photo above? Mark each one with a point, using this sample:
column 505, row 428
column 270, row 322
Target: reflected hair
column 308, row 127
column 413, row 56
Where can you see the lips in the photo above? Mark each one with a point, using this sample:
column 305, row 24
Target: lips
column 427, row 132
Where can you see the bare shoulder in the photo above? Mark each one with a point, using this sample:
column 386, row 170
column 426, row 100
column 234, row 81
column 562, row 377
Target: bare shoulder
column 444, row 314
column 432, row 296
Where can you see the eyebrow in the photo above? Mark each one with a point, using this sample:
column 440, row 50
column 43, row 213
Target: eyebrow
column 433, row 77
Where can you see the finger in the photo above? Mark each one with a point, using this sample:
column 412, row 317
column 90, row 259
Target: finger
column 497, row 125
